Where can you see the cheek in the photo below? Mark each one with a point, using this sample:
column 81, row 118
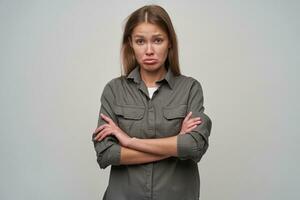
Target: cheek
column 163, row 53
column 138, row 52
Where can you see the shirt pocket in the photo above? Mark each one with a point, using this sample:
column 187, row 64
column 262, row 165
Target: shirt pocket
column 173, row 117
column 129, row 118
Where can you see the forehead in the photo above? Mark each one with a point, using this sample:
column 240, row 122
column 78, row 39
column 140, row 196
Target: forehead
column 148, row 29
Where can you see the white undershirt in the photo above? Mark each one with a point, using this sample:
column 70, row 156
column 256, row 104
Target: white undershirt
column 151, row 90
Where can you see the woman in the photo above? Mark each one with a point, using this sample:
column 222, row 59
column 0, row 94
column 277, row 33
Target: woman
column 152, row 129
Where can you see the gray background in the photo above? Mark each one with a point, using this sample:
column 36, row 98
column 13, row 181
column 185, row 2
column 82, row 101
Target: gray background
column 56, row 57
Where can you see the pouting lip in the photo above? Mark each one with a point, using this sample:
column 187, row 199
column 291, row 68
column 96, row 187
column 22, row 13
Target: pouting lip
column 149, row 59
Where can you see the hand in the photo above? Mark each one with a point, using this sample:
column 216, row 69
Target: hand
column 189, row 124
column 111, row 129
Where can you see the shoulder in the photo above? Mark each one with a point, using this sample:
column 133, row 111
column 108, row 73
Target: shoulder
column 189, row 81
column 112, row 85
column 115, row 82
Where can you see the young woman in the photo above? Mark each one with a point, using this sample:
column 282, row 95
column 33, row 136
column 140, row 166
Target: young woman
column 152, row 129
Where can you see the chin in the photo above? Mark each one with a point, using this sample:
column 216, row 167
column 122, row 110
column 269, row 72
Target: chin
column 151, row 68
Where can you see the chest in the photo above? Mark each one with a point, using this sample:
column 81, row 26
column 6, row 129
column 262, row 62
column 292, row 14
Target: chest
column 144, row 117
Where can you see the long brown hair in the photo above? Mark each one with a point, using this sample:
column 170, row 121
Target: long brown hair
column 153, row 14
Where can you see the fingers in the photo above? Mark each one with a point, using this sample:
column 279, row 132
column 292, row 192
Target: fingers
column 107, row 119
column 190, row 129
column 187, row 116
column 189, row 119
column 194, row 119
column 100, row 128
column 105, row 129
column 190, row 124
column 97, row 136
column 102, row 134
column 196, row 122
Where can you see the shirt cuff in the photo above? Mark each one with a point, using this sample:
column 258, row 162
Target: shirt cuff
column 110, row 156
column 186, row 146
column 115, row 154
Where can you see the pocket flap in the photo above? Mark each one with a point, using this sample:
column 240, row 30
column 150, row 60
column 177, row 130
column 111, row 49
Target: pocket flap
column 130, row 111
column 172, row 112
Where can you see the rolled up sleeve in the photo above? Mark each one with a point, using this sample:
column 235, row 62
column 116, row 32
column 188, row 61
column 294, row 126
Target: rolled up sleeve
column 108, row 150
column 194, row 144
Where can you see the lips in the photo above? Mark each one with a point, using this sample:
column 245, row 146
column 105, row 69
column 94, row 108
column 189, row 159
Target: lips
column 150, row 61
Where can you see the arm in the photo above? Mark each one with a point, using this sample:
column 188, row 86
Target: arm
column 162, row 146
column 185, row 146
column 194, row 144
column 131, row 156
column 108, row 150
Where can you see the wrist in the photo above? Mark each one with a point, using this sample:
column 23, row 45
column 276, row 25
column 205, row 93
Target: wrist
column 130, row 142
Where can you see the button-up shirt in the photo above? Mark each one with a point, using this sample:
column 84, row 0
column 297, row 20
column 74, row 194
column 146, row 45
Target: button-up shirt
column 126, row 101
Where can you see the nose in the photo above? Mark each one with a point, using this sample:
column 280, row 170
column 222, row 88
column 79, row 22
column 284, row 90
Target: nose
column 149, row 50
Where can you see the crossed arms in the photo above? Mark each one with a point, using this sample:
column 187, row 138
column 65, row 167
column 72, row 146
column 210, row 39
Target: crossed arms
column 114, row 147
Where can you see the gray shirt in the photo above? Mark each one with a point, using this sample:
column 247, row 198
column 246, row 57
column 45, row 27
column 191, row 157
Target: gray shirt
column 126, row 101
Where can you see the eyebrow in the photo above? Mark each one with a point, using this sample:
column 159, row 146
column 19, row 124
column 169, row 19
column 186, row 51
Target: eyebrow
column 155, row 35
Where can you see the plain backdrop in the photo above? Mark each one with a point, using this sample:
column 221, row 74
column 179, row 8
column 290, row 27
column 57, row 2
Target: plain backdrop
column 56, row 56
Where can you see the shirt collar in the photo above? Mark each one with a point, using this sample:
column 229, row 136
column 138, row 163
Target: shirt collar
column 136, row 76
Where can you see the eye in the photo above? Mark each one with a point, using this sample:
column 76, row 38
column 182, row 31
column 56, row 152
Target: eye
column 139, row 41
column 158, row 40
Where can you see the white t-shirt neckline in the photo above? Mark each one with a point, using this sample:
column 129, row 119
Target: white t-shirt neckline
column 151, row 90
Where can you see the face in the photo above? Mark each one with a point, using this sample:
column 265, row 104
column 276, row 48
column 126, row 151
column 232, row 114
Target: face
column 150, row 44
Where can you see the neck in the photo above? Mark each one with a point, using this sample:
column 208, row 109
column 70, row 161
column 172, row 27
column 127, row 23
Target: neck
column 150, row 77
